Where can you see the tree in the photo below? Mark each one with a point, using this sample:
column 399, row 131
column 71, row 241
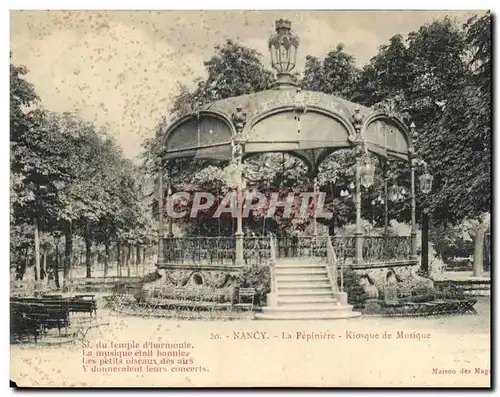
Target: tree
column 336, row 75
column 440, row 78
column 314, row 76
column 387, row 75
column 28, row 172
column 234, row 70
column 429, row 79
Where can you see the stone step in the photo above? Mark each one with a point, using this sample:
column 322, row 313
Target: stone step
column 304, row 300
column 299, row 271
column 335, row 305
column 300, row 266
column 303, row 292
column 338, row 313
column 304, row 286
column 323, row 291
column 301, row 278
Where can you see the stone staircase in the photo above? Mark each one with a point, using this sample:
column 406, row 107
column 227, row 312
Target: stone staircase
column 304, row 292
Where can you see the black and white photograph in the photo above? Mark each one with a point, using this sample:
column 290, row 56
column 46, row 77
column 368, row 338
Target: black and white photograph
column 250, row 198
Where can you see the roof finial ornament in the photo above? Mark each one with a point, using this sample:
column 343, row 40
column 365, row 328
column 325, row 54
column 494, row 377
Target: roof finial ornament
column 283, row 47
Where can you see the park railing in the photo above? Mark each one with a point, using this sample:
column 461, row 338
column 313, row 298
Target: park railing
column 314, row 246
column 272, row 264
column 331, row 266
column 386, row 248
column 198, row 250
column 221, row 251
column 256, row 250
column 213, row 251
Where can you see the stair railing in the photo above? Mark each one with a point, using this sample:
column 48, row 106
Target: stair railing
column 272, row 263
column 331, row 267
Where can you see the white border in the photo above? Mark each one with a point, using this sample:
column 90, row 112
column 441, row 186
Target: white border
column 185, row 5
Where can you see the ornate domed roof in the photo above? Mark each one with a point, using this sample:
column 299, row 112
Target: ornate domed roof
column 261, row 102
column 285, row 118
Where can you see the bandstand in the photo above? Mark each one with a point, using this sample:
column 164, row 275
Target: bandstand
column 306, row 274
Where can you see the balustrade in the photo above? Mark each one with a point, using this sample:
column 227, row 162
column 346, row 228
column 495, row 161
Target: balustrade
column 386, row 248
column 215, row 251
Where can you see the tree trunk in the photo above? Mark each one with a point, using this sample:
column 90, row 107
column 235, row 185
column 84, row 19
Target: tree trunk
column 44, row 266
column 56, row 266
column 138, row 254
column 487, row 251
column 68, row 250
column 37, row 249
column 24, row 266
column 128, row 259
column 425, row 243
column 106, row 256
column 124, row 258
column 88, row 252
column 118, row 259
column 331, row 227
column 478, row 251
column 137, row 258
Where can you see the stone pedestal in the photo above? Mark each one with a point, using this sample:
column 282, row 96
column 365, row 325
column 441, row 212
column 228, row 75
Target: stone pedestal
column 341, row 297
column 271, row 300
column 391, row 294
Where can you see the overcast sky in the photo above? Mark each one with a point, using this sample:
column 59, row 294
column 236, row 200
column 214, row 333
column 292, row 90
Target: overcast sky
column 121, row 68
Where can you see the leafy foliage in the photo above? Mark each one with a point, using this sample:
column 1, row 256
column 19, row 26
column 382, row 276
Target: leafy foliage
column 336, row 75
column 67, row 177
column 439, row 77
column 234, row 70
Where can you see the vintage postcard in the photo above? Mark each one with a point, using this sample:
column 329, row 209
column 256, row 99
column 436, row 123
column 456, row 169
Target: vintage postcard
column 250, row 198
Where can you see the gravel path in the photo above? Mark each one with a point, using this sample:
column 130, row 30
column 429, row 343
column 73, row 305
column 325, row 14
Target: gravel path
column 293, row 353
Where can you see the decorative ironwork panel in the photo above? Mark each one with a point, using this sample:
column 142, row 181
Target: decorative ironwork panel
column 386, row 248
column 194, row 251
column 199, row 250
column 344, row 247
column 256, row 250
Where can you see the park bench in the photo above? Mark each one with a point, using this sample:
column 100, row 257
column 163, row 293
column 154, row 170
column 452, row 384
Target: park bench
column 189, row 302
column 437, row 307
column 83, row 304
column 36, row 318
column 245, row 298
column 72, row 304
column 463, row 287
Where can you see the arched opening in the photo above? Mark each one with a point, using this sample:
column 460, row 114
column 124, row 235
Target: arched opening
column 206, row 135
column 197, row 279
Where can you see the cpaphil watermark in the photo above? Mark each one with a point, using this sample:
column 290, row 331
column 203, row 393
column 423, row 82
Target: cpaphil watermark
column 297, row 205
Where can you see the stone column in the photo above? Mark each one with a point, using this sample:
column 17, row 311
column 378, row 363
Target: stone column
column 315, row 188
column 239, row 119
column 358, row 257
column 357, row 122
column 386, row 200
column 425, row 242
column 239, row 227
column 161, row 194
column 413, row 234
column 170, row 233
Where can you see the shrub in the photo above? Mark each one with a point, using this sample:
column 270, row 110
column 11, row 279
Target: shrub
column 356, row 296
column 207, row 294
column 259, row 278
